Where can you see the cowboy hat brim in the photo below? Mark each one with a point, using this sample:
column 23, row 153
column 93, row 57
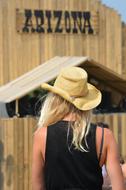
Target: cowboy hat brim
column 90, row 101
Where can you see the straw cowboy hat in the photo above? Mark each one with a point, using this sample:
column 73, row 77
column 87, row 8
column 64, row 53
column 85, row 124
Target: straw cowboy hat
column 71, row 84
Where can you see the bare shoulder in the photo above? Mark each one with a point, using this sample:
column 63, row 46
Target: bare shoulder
column 109, row 139
column 40, row 131
column 111, row 144
column 40, row 134
column 109, row 135
column 107, row 132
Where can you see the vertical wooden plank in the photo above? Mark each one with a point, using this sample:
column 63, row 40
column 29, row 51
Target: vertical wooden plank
column 1, row 44
column 123, row 136
column 71, row 41
column 19, row 45
column 10, row 158
column 108, row 37
column 102, row 35
column 35, row 41
column 26, row 127
column 16, row 125
column 81, row 37
column 5, row 153
column 16, row 141
column 2, row 155
column 27, row 44
column 27, row 39
column 53, row 48
column 115, row 126
column 20, row 154
column 118, row 45
column 109, row 49
column 115, row 38
column 124, row 50
column 111, row 122
column 5, row 43
column 94, row 39
column 60, row 39
column 84, row 37
column 114, row 35
column 67, row 36
column 77, row 37
column 43, row 37
column 32, row 125
column 98, row 118
column 107, row 119
column 87, row 44
column 11, row 40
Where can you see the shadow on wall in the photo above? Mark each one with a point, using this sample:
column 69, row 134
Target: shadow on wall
column 9, row 169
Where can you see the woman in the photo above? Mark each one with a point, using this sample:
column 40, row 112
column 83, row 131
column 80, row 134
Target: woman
column 69, row 151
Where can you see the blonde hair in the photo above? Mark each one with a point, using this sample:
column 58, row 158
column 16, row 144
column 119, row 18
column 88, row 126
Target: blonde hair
column 55, row 108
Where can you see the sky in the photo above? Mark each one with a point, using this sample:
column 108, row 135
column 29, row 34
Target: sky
column 119, row 5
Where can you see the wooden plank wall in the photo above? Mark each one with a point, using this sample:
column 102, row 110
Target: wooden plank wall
column 16, row 143
column 124, row 49
column 1, row 45
column 20, row 53
column 16, row 139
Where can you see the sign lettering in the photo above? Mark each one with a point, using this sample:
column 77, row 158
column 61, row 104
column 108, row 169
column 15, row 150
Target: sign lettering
column 57, row 21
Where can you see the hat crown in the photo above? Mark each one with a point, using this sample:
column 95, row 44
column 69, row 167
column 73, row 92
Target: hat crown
column 71, row 84
column 73, row 80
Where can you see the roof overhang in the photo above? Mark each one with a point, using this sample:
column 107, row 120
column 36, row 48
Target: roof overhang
column 105, row 75
column 50, row 69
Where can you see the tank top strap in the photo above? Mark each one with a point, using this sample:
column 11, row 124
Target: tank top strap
column 92, row 142
column 93, row 133
column 101, row 145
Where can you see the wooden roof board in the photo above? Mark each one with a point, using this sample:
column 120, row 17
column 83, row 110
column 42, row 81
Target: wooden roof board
column 33, row 79
column 50, row 69
column 106, row 75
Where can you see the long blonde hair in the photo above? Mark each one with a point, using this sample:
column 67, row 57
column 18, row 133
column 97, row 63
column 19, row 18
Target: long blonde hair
column 55, row 108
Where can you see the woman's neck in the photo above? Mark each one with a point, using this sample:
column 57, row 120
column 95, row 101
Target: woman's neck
column 70, row 117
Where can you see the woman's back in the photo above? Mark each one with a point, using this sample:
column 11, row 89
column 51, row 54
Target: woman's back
column 67, row 167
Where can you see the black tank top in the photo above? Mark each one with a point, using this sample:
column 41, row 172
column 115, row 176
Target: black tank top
column 68, row 168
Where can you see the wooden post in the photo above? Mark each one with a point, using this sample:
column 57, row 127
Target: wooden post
column 17, row 108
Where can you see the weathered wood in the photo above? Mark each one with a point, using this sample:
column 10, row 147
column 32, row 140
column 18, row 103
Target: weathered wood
column 1, row 43
column 124, row 50
column 23, row 52
column 123, row 137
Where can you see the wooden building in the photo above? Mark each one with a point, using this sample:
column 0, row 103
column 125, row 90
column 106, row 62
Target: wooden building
column 124, row 50
column 21, row 51
column 32, row 33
